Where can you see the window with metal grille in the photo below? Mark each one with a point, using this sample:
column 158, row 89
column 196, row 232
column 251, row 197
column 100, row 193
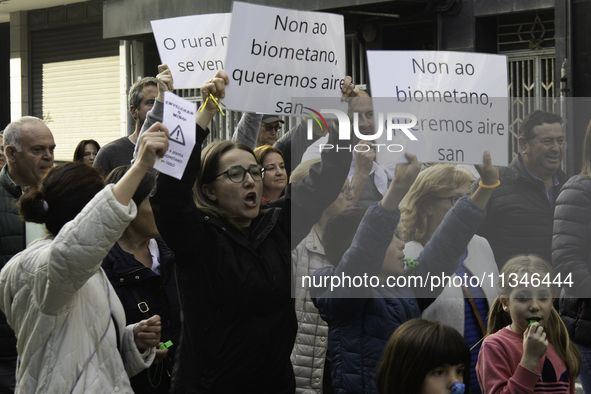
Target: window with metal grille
column 528, row 41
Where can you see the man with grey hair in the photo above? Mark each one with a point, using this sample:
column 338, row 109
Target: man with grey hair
column 142, row 95
column 28, row 147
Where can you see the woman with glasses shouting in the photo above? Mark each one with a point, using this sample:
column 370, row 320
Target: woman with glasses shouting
column 464, row 303
column 233, row 260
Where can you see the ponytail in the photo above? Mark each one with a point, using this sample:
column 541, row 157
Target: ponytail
column 61, row 195
column 31, row 206
column 559, row 338
column 497, row 317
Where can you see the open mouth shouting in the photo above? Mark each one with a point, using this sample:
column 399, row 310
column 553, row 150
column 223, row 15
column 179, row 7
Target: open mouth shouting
column 251, row 200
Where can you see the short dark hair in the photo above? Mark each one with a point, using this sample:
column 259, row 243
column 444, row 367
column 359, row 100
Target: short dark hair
column 135, row 91
column 65, row 189
column 339, row 232
column 147, row 184
column 536, row 118
column 416, row 348
column 79, row 151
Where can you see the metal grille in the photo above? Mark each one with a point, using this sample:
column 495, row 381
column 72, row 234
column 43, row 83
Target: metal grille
column 531, row 87
column 223, row 127
column 356, row 60
column 526, row 31
column 528, row 41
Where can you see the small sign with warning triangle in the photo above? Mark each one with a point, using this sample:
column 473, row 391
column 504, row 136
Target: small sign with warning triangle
column 177, row 136
column 178, row 115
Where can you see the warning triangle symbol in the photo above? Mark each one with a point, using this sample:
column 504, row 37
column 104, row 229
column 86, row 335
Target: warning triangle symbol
column 177, row 136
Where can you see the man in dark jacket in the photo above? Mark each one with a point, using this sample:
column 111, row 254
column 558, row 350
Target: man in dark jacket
column 519, row 215
column 28, row 146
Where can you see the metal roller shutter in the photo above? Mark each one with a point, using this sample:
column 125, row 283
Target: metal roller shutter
column 75, row 85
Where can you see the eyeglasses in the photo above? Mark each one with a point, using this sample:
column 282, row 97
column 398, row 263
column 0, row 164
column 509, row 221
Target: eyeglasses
column 348, row 191
column 269, row 127
column 453, row 199
column 238, row 173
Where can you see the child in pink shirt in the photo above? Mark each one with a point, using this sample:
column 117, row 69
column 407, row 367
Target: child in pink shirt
column 527, row 349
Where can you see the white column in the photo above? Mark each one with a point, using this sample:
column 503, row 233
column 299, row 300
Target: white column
column 19, row 65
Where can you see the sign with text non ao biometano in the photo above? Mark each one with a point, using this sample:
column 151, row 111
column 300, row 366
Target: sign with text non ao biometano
column 276, row 54
column 457, row 103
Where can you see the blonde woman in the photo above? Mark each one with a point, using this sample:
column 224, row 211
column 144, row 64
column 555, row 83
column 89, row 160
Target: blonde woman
column 465, row 308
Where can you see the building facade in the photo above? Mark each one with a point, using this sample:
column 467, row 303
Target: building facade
column 72, row 64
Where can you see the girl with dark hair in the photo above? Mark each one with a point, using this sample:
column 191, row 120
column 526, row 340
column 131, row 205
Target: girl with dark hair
column 69, row 323
column 86, row 151
column 275, row 179
column 424, row 357
column 527, row 348
column 140, row 268
column 233, row 260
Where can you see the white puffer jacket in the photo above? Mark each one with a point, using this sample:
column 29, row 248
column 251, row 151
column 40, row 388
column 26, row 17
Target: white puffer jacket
column 59, row 303
column 309, row 351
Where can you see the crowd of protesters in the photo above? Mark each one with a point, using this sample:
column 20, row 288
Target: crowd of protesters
column 145, row 283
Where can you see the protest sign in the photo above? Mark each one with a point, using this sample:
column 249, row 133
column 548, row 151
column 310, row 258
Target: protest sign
column 179, row 118
column 277, row 54
column 456, row 103
column 194, row 47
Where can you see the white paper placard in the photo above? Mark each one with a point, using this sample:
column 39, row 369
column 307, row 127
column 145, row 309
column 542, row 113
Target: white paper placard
column 194, row 47
column 179, row 119
column 278, row 54
column 459, row 101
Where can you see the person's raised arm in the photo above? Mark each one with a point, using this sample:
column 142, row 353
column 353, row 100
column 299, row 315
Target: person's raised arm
column 351, row 90
column 450, row 240
column 165, row 81
column 363, row 165
column 247, row 130
column 154, row 143
column 489, row 176
column 215, row 87
column 404, row 177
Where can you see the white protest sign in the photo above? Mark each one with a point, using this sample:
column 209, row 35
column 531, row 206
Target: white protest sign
column 456, row 101
column 179, row 118
column 277, row 54
column 194, row 47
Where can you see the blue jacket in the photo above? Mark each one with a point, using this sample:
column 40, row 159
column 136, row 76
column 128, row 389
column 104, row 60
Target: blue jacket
column 361, row 321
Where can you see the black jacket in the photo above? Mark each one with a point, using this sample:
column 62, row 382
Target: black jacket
column 12, row 241
column 12, row 228
column 239, row 321
column 144, row 294
column 519, row 217
column 571, row 250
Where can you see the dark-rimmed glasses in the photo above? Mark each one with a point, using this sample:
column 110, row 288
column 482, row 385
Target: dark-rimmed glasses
column 237, row 173
column 453, row 199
